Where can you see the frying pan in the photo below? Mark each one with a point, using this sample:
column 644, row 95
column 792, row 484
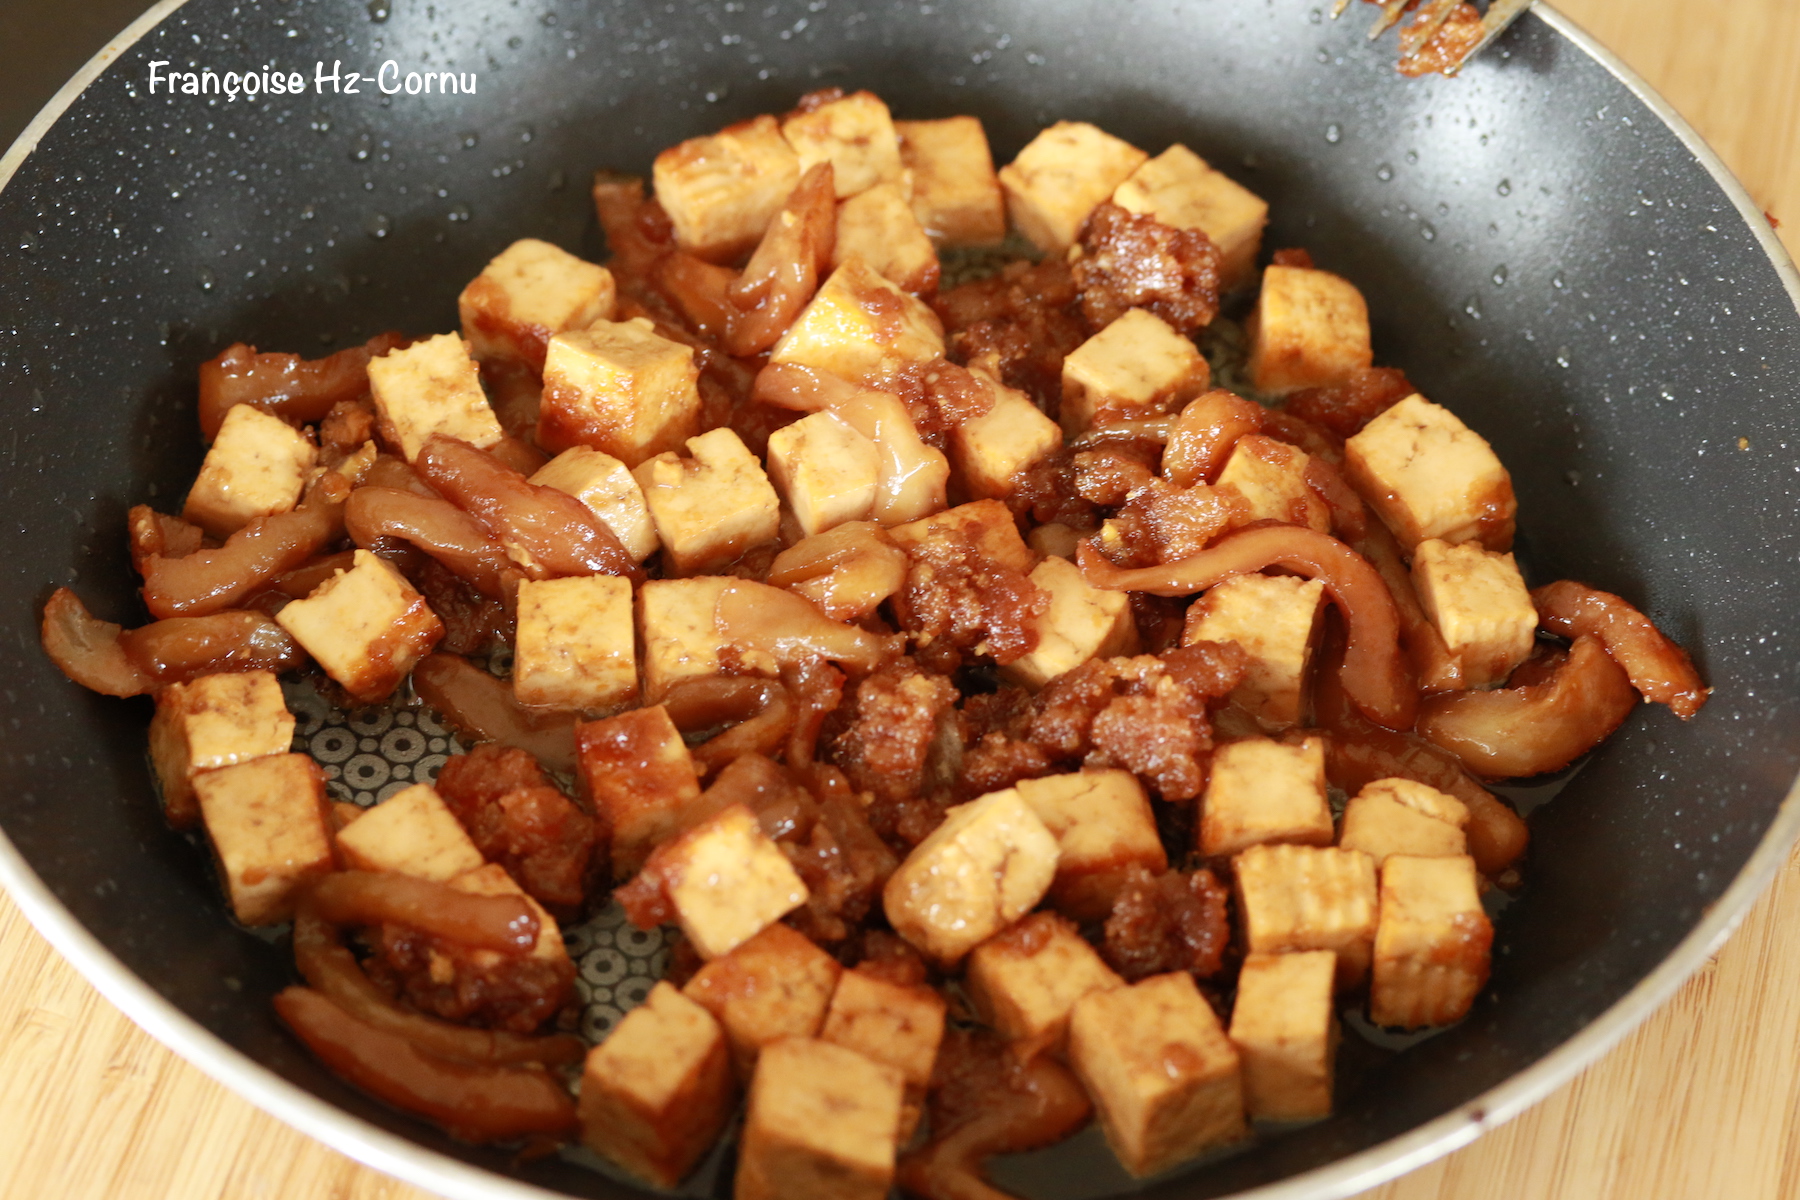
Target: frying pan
column 1545, row 247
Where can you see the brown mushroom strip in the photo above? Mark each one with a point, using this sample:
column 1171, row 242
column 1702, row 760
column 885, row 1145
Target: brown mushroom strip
column 478, row 1103
column 437, row 527
column 1349, row 516
column 1516, row 732
column 699, row 290
column 785, row 270
column 297, row 390
column 153, row 534
column 303, row 580
column 87, row 649
column 1203, row 434
column 483, row 708
column 755, row 615
column 802, row 389
column 183, row 648
column 759, row 711
column 502, row 923
column 1435, row 667
column 1658, row 668
column 1376, row 675
column 847, row 570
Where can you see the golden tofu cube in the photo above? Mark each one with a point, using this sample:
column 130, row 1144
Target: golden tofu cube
column 722, row 191
column 256, row 466
column 987, row 524
column 776, row 985
column 657, row 1092
column 878, row 227
column 711, row 506
column 861, row 327
column 642, row 781
column 212, row 722
column 527, row 294
column 491, row 879
column 678, row 628
column 897, row 1024
column 956, row 195
column 1083, row 622
column 1136, row 367
column 726, row 881
column 826, row 471
column 621, row 387
column 575, row 647
column 1399, row 816
column 412, row 832
column 1431, row 951
column 609, row 490
column 1427, row 475
column 1025, row 981
column 267, row 823
column 823, row 1124
column 1478, row 601
column 1164, row 1078
column 1306, row 898
column 432, row 386
column 1274, row 620
column 1271, row 478
column 986, row 866
column 366, row 627
column 1286, row 1034
column 1055, row 538
column 1064, row 174
column 1180, row 190
column 855, row 134
column 1104, row 828
column 1262, row 791
column 1310, row 329
column 991, row 450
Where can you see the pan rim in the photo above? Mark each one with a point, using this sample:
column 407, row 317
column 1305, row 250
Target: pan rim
column 415, row 1164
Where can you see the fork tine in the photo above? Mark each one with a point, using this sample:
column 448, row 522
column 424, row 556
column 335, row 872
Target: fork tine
column 1435, row 15
column 1390, row 12
column 1337, row 10
column 1500, row 14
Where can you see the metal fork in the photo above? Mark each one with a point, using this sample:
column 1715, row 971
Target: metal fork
column 1500, row 14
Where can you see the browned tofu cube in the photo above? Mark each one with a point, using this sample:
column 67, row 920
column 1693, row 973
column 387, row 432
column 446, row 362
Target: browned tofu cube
column 1271, row 477
column 986, row 523
column 1025, row 981
column 657, row 1092
column 1399, row 816
column 1306, row 898
column 1427, row 475
column 1084, row 622
column 257, row 466
column 607, row 487
column 861, row 327
column 991, row 450
column 1477, row 600
column 1065, row 173
column 956, row 195
column 1286, row 1034
column 1104, row 828
column 1431, row 951
column 621, row 387
column 1138, row 366
column 1180, row 190
column 776, row 985
column 726, row 881
column 826, row 471
column 575, row 647
column 412, row 832
column 711, row 506
column 1274, row 619
column 211, row 722
column 1310, row 329
column 1163, row 1076
column 722, row 191
column 823, row 1124
column 855, row 134
column 678, row 629
column 1261, row 792
column 878, row 226
column 893, row 1023
column 431, row 386
column 642, row 781
column 267, row 823
column 366, row 627
column 530, row 292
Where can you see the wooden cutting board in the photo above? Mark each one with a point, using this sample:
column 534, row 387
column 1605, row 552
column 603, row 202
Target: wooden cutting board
column 1703, row 1101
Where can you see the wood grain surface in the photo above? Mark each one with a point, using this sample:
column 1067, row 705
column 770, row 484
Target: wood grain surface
column 1702, row 1101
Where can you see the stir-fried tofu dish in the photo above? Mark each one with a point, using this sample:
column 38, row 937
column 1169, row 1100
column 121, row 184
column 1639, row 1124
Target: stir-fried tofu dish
column 999, row 623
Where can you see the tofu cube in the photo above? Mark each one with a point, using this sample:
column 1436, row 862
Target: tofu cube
column 530, row 292
column 607, row 487
column 432, row 386
column 366, row 627
column 726, row 881
column 1431, row 951
column 1261, row 792
column 678, row 628
column 991, row 450
column 1179, row 189
column 1164, row 1078
column 896, row 1024
column 657, row 1092
column 1310, row 329
column 861, row 327
column 776, row 985
column 1478, row 601
column 986, row 866
column 1286, row 1034
column 711, row 506
column 1025, row 981
column 1306, row 898
column 1275, row 620
column 1399, row 816
column 575, row 647
column 956, row 195
column 1055, row 538
column 256, row 466
column 822, row 1124
column 1427, row 475
column 987, row 524
column 855, row 134
column 621, row 387
column 642, row 782
column 1271, row 477
column 267, row 823
column 1083, row 622
column 212, row 722
column 492, row 879
column 878, row 226
column 1104, row 828
column 826, row 471
column 722, row 191
column 1138, row 366
column 1064, row 174
column 412, row 832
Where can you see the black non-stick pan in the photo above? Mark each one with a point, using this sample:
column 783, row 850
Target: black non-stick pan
column 1545, row 248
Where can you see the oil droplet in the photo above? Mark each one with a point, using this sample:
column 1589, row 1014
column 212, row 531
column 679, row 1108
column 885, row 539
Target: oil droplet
column 378, row 11
column 1443, row 209
column 378, row 225
column 1505, row 188
column 1562, row 357
column 308, row 213
column 1334, row 133
column 206, row 279
column 1428, row 231
column 1412, row 156
column 1499, row 276
column 1558, row 282
column 717, row 94
column 526, row 133
column 459, row 212
column 1472, row 306
column 361, row 152
column 28, row 241
column 470, row 140
column 1315, row 16
column 1574, row 478
column 1384, row 172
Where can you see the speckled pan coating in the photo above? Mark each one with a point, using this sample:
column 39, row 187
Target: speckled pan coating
column 1541, row 253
